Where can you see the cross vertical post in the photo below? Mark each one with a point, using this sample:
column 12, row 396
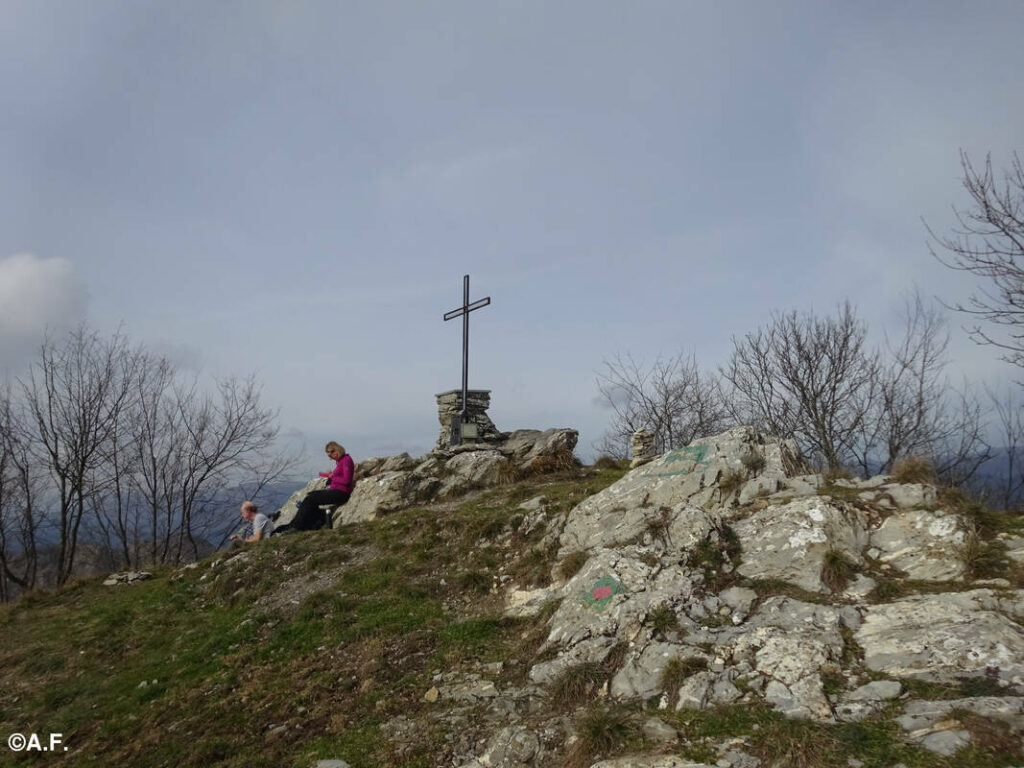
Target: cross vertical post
column 464, row 311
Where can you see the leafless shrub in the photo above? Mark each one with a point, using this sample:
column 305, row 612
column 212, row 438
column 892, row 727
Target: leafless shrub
column 673, row 399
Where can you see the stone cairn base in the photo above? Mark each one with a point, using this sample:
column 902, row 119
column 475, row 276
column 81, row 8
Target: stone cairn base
column 642, row 445
column 449, row 404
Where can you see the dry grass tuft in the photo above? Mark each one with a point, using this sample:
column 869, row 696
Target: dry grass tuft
column 677, row 670
column 836, row 571
column 563, row 460
column 913, row 469
column 981, row 559
column 730, row 481
column 994, row 737
column 753, row 462
column 601, row 732
column 571, row 564
column 576, row 684
column 607, row 462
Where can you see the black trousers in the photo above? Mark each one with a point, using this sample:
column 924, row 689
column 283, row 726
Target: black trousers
column 310, row 517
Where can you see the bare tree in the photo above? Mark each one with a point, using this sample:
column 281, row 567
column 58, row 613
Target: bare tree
column 179, row 451
column 673, row 399
column 807, row 378
column 1009, row 490
column 19, row 523
column 109, row 445
column 73, row 396
column 916, row 411
column 989, row 243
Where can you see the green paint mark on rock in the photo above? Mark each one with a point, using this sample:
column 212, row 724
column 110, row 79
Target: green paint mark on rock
column 601, row 593
column 680, row 461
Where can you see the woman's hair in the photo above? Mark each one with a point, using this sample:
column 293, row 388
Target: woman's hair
column 334, row 446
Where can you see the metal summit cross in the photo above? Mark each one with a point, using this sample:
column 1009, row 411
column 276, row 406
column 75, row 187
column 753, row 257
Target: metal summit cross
column 464, row 311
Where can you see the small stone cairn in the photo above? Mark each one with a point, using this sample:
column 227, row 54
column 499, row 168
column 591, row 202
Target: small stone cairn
column 642, row 445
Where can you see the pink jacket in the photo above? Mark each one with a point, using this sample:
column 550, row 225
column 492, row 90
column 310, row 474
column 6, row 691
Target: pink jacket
column 343, row 476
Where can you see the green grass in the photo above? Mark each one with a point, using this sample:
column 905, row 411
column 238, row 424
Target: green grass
column 237, row 646
column 397, row 600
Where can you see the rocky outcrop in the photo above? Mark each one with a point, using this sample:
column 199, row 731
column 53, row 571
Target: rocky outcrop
column 717, row 471
column 728, row 572
column 680, row 559
column 386, row 485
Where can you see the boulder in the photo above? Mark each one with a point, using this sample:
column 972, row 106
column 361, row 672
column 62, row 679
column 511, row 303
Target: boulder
column 388, row 484
column 641, row 675
column 512, row 746
column 922, row 544
column 529, row 448
column 903, row 495
column 473, row 469
column 944, row 637
column 866, row 700
column 384, row 493
column 789, row 542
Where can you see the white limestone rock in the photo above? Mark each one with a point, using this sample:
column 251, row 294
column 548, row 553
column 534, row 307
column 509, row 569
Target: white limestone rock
column 789, row 542
column 901, row 495
column 403, row 462
column 943, row 637
column 471, row 469
column 641, row 674
column 593, row 650
column 740, row 600
column 788, row 642
column 691, row 474
column 932, row 724
column 696, row 691
column 612, row 594
column 525, row 447
column 923, row 544
column 383, row 493
column 589, row 526
column 859, row 588
column 523, row 603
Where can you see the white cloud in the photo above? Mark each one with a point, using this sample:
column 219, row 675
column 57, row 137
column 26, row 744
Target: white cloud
column 36, row 295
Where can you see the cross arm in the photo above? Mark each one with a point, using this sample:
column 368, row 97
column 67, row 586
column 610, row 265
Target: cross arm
column 466, row 309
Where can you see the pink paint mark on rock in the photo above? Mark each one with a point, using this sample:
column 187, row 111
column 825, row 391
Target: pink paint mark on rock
column 602, row 592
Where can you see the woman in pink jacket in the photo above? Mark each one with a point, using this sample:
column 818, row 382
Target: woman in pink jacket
column 310, row 517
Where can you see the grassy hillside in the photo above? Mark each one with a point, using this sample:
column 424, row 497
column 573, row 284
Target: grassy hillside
column 329, row 644
column 328, row 634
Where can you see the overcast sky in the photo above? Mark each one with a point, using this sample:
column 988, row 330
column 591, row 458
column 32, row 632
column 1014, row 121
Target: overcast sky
column 296, row 188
